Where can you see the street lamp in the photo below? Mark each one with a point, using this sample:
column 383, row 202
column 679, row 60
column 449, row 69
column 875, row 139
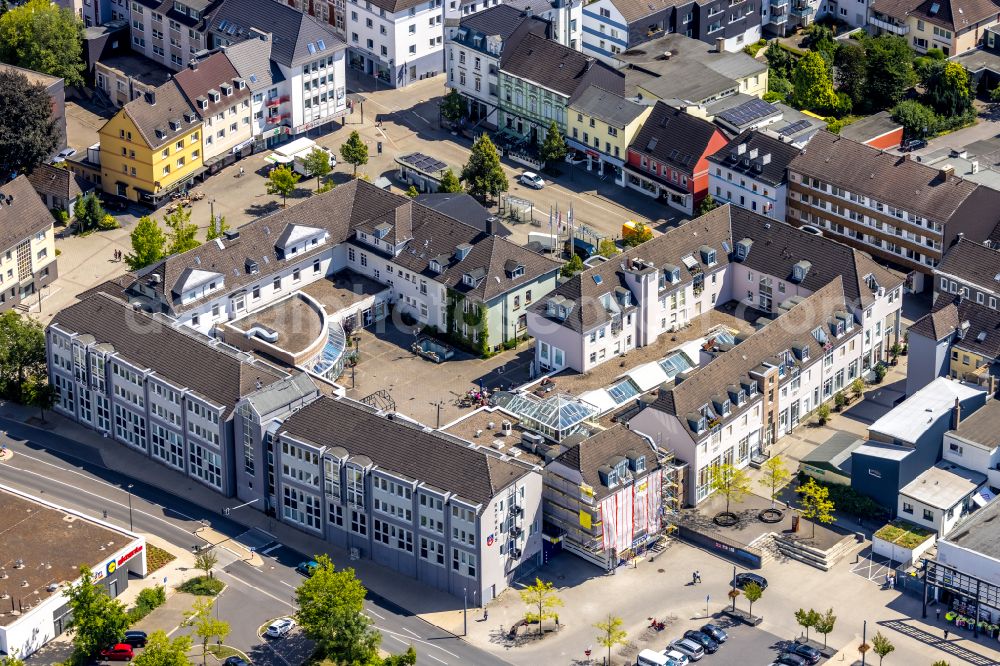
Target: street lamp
column 465, row 612
column 129, row 490
column 864, row 647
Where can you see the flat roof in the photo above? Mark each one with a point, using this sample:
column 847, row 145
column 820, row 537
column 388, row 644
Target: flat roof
column 979, row 533
column 910, row 419
column 293, row 319
column 944, row 485
column 342, row 290
column 871, row 127
column 887, row 451
column 51, row 544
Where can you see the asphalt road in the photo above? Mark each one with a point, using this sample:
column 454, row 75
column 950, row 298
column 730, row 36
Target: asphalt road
column 70, row 473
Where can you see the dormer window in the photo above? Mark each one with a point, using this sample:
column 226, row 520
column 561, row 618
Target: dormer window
column 741, row 397
column 702, row 424
column 612, row 479
column 726, row 408
column 202, row 103
column 640, row 464
column 799, row 270
column 707, row 255
column 517, row 272
column 214, row 94
column 469, row 280
column 435, row 266
column 805, row 353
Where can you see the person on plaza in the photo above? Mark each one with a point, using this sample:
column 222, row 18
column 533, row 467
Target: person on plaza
column 946, row 634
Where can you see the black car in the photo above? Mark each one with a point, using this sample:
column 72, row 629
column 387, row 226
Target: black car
column 807, row 652
column 913, row 144
column 791, row 660
column 717, row 633
column 702, row 639
column 742, row 579
column 235, row 661
column 136, row 639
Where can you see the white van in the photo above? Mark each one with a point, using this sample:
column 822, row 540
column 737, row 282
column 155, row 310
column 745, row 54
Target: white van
column 651, row 658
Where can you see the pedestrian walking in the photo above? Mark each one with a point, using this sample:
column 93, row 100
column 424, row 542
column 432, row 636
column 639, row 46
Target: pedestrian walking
column 694, row 577
column 486, row 614
column 939, row 614
column 946, row 634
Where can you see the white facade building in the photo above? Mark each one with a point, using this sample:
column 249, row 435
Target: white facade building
column 751, row 173
column 398, row 42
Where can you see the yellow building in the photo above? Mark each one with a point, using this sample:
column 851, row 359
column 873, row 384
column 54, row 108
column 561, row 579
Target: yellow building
column 955, row 27
column 151, row 147
column 601, row 125
column 27, row 244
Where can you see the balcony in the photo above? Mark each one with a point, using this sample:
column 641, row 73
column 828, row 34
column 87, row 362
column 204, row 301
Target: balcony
column 777, row 4
column 802, row 9
column 277, row 101
column 888, row 25
column 778, row 16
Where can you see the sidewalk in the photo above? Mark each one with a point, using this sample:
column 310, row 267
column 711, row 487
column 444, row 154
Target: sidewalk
column 171, row 575
column 400, row 590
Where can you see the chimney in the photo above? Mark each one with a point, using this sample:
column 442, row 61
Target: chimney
column 193, row 64
column 720, row 44
column 151, row 97
column 946, row 171
column 491, row 224
column 956, row 415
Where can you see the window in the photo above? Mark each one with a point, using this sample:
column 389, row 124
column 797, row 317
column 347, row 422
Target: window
column 928, row 515
column 464, row 563
column 907, row 508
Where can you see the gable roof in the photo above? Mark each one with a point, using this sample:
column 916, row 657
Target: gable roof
column 22, row 212
column 557, row 67
column 473, row 473
column 181, row 358
column 728, row 368
column 611, row 108
column 463, row 206
column 200, row 78
column 499, row 20
column 252, row 60
column 596, row 451
column 292, row 32
column 972, row 262
column 674, row 137
column 774, row 171
column 891, row 179
column 956, row 14
column 56, row 182
column 981, row 336
column 153, row 120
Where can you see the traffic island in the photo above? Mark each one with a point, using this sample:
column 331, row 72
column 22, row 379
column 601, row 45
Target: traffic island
column 743, row 617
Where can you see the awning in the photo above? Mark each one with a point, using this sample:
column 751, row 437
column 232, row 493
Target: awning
column 274, row 158
column 983, row 497
column 240, row 146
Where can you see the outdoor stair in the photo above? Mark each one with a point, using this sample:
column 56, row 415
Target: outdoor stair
column 821, row 559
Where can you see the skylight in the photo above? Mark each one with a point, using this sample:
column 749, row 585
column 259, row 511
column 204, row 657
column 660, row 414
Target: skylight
column 598, row 279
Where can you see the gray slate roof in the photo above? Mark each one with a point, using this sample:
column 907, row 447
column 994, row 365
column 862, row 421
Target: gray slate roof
column 597, row 451
column 948, row 315
column 983, row 427
column 675, row 137
column 153, row 120
column 633, row 10
column 612, row 108
column 22, row 212
column 774, row 173
column 871, row 127
column 252, row 60
column 500, row 20
column 473, row 473
column 560, row 68
column 180, row 358
column 62, row 183
column 975, row 263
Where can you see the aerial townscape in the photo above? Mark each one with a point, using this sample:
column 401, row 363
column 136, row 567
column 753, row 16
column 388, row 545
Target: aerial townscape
column 484, row 332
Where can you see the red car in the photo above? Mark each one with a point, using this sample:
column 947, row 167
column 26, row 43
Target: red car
column 118, row 652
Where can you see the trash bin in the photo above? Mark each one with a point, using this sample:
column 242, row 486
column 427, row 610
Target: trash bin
column 795, row 523
column 379, row 147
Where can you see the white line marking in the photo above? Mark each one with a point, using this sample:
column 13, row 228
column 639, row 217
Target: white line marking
column 257, row 589
column 410, row 632
column 286, row 584
column 397, row 639
column 375, row 614
column 416, row 640
column 269, row 550
column 427, row 654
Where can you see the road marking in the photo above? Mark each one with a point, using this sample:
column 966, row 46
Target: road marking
column 101, row 497
column 410, row 632
column 375, row 614
column 417, row 640
column 398, row 640
column 270, row 550
column 427, row 654
column 257, row 589
column 286, row 584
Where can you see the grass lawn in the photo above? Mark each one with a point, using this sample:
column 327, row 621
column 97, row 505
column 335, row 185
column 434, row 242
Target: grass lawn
column 203, row 586
column 901, row 534
column 224, row 651
column 157, row 558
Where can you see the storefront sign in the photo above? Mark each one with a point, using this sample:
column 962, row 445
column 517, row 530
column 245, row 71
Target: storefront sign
column 112, row 565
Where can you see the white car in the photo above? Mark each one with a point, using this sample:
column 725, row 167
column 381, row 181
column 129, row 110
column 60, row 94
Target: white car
column 64, row 155
column 280, row 627
column 532, row 180
column 676, row 657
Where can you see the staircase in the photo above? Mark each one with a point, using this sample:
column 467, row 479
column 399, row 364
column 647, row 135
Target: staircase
column 796, row 549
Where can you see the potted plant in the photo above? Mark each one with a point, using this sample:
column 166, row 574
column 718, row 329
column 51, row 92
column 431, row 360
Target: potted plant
column 840, row 400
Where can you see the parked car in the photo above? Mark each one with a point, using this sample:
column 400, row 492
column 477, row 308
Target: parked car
column 136, row 639
column 791, row 660
column 706, row 641
column 687, row 647
column 236, row 661
column 718, row 634
column 307, row 568
column 280, row 627
column 913, row 144
column 742, row 579
column 118, row 652
column 807, row 652
column 676, row 658
column 532, row 180
column 63, row 156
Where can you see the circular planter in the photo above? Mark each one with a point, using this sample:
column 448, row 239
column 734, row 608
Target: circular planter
column 726, row 519
column 771, row 516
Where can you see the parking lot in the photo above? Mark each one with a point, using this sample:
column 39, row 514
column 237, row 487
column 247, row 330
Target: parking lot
column 746, row 646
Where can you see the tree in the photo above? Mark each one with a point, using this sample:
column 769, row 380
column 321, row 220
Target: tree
column 39, row 393
column 940, row 662
column 553, row 147
column 775, row 476
column 453, row 106
column 330, row 613
column 640, row 234
column 918, row 120
column 572, row 267
column 707, row 204
column 607, row 248
column 282, row 180
column 98, row 620
column 206, row 626
column 22, row 354
column 858, row 387
column 806, row 619
column 11, row 659
column 354, row 151
column 947, row 88
column 610, row 633
column 816, row 503
column 408, row 658
column 412, row 192
column 483, row 174
column 825, row 623
column 39, row 35
column 449, row 182
column 812, row 87
column 163, row 651
column 882, row 646
column 217, row 228
column 821, row 41
column 206, row 559
column 28, row 134
column 542, row 601
column 780, row 62
column 890, row 71
column 730, row 482
column 823, row 413
column 88, row 212
column 149, row 244
column 181, row 236
column 851, row 63
column 753, row 592
column 317, row 163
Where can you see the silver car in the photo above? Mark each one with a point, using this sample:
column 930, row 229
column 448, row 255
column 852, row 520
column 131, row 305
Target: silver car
column 688, row 648
column 676, row 658
column 532, row 180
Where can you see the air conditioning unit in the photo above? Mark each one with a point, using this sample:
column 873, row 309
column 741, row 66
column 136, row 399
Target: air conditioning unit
column 507, row 427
